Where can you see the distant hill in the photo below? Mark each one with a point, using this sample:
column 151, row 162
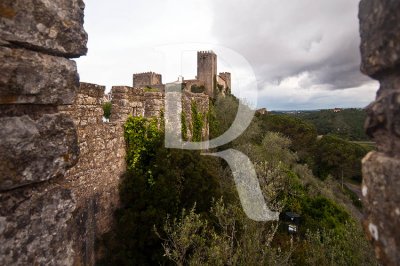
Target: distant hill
column 346, row 123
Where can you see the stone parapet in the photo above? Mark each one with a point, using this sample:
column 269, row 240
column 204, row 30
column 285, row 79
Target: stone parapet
column 380, row 59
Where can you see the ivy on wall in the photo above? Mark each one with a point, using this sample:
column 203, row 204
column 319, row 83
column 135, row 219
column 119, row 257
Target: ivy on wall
column 141, row 136
column 197, row 122
column 184, row 126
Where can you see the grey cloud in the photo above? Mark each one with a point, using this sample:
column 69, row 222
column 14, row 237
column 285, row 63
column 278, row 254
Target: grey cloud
column 285, row 38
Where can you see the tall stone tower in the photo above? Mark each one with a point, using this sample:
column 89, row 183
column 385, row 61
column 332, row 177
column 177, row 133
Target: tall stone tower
column 207, row 70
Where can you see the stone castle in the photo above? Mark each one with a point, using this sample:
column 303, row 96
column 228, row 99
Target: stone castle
column 206, row 81
column 60, row 164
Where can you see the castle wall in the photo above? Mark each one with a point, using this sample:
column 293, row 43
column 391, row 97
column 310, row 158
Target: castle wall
column 190, row 82
column 380, row 59
column 227, row 77
column 153, row 104
column 126, row 101
column 94, row 180
column 202, row 103
column 137, row 102
column 60, row 220
column 221, row 81
column 160, row 88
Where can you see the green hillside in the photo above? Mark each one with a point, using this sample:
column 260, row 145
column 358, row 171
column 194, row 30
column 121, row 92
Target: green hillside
column 181, row 207
column 346, row 123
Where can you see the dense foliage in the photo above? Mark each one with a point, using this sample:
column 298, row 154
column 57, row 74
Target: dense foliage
column 302, row 133
column 158, row 182
column 327, row 155
column 347, row 123
column 339, row 158
column 326, row 226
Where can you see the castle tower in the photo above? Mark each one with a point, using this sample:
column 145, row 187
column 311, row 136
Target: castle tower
column 146, row 79
column 227, row 77
column 207, row 70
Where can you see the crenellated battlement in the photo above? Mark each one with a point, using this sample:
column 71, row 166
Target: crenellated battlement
column 206, row 52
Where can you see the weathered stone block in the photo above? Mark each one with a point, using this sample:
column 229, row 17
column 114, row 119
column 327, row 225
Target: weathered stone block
column 380, row 38
column 36, row 227
column 54, row 27
column 119, row 90
column 34, row 151
column 154, row 102
column 381, row 198
column 31, row 77
column 91, row 90
column 383, row 120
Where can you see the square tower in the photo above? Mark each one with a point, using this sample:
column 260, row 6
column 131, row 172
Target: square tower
column 207, row 70
column 146, row 79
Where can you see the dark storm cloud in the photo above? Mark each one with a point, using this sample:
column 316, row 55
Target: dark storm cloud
column 286, row 38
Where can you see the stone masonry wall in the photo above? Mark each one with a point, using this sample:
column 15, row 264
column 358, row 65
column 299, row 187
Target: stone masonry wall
column 202, row 103
column 137, row 102
column 380, row 54
column 38, row 144
column 57, row 222
column 95, row 178
column 190, row 82
column 126, row 101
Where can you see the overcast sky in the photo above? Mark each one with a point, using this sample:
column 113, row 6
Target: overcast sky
column 304, row 53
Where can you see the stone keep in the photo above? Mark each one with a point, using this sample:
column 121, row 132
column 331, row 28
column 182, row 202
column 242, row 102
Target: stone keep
column 207, row 70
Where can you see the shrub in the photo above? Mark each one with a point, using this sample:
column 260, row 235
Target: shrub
column 107, row 110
